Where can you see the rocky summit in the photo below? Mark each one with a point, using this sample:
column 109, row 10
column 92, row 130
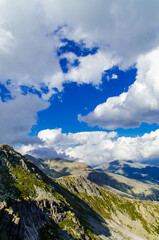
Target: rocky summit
column 57, row 199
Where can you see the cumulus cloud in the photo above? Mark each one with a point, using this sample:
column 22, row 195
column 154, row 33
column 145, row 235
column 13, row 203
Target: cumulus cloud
column 46, row 152
column 83, row 146
column 138, row 148
column 84, row 73
column 28, row 47
column 17, row 118
column 139, row 104
column 93, row 147
column 123, row 25
column 29, row 53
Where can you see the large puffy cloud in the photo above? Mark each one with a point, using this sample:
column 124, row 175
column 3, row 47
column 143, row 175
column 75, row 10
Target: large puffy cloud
column 17, row 118
column 129, row 28
column 85, row 72
column 84, row 146
column 93, row 147
column 122, row 29
column 139, row 148
column 27, row 53
column 139, row 104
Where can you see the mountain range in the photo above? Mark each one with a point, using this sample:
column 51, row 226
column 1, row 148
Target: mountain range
column 62, row 199
column 139, row 171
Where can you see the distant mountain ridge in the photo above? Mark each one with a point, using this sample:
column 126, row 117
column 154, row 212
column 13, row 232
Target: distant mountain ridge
column 133, row 170
column 152, row 162
column 59, row 167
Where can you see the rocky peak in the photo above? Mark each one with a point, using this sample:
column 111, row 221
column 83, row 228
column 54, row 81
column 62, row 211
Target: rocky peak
column 6, row 147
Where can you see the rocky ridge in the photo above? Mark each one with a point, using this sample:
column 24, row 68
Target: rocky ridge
column 33, row 206
column 36, row 206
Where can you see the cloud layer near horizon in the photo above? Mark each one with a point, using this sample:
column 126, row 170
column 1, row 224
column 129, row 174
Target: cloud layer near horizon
column 93, row 147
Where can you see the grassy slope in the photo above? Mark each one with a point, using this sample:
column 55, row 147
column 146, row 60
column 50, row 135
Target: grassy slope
column 138, row 217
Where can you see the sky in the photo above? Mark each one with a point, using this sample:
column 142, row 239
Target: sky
column 80, row 79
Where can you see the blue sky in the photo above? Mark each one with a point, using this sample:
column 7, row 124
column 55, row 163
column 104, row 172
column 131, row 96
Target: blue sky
column 82, row 99
column 82, row 81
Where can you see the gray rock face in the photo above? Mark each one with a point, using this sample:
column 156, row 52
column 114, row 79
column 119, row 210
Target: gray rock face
column 22, row 219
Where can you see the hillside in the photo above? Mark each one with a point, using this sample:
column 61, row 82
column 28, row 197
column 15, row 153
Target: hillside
column 35, row 206
column 126, row 218
column 119, row 184
column 32, row 206
column 59, row 167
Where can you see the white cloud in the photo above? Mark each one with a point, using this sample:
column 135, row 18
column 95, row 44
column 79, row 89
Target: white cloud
column 93, row 147
column 89, row 71
column 23, row 35
column 138, row 148
column 17, row 118
column 139, row 104
column 85, row 73
column 90, row 147
column 127, row 27
column 122, row 29
column 114, row 76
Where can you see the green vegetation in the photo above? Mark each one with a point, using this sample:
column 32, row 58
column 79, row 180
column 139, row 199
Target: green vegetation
column 18, row 175
column 26, row 182
column 108, row 204
column 70, row 226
